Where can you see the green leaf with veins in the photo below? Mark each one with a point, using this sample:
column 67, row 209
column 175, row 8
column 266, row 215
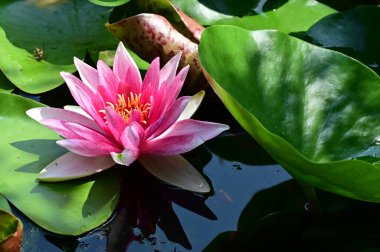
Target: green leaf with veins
column 316, row 111
column 39, row 41
column 26, row 148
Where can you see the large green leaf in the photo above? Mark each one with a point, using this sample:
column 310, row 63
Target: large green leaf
column 10, row 232
column 8, row 225
column 10, row 228
column 156, row 28
column 108, row 57
column 4, row 204
column 233, row 7
column 184, row 24
column 61, row 29
column 151, row 36
column 5, row 84
column 292, row 16
column 314, row 110
column 355, row 33
column 26, row 147
column 109, row 2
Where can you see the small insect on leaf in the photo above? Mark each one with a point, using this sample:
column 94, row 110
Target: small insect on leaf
column 38, row 54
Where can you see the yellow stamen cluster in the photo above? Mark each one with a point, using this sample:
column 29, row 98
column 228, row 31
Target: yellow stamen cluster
column 124, row 107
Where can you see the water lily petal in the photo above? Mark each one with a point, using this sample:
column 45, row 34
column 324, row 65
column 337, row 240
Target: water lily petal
column 168, row 72
column 170, row 117
column 182, row 137
column 85, row 133
column 167, row 94
column 127, row 157
column 87, row 73
column 87, row 148
column 135, row 117
column 77, row 109
column 73, row 83
column 108, row 83
column 174, row 87
column 175, row 170
column 44, row 113
column 151, row 80
column 192, row 106
column 126, row 71
column 158, row 104
column 84, row 96
column 172, row 145
column 72, row 166
column 115, row 123
column 132, row 136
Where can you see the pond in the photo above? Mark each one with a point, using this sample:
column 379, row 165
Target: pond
column 250, row 207
column 284, row 149
column 169, row 219
column 153, row 216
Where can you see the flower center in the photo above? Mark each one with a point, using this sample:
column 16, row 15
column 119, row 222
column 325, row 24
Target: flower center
column 125, row 106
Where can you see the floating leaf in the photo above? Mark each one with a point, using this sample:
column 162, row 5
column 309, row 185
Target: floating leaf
column 37, row 42
column 151, row 35
column 355, row 33
column 5, row 84
column 4, row 204
column 10, row 232
column 292, row 16
column 232, row 7
column 70, row 208
column 312, row 109
column 110, row 3
column 178, row 19
column 108, row 57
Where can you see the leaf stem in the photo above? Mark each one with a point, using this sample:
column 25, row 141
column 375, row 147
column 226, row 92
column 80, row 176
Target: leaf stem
column 311, row 196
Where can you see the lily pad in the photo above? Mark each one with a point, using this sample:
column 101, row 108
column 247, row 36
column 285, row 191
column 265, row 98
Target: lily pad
column 10, row 232
column 70, row 208
column 292, row 16
column 314, row 110
column 157, row 28
column 5, row 84
column 355, row 33
column 233, row 7
column 108, row 57
column 4, row 204
column 178, row 19
column 110, row 3
column 38, row 41
column 151, row 36
column 8, row 225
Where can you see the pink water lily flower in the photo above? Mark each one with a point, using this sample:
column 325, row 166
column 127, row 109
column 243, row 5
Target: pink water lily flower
column 121, row 119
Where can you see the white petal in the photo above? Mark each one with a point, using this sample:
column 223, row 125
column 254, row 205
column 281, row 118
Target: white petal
column 72, row 166
column 175, row 170
column 127, row 157
column 192, row 106
column 78, row 110
column 42, row 113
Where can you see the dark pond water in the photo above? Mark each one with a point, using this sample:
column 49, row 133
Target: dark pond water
column 156, row 217
column 254, row 204
column 251, row 206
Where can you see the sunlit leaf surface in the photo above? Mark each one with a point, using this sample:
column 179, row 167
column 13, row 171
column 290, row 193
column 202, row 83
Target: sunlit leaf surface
column 110, row 3
column 70, row 208
column 5, row 84
column 312, row 109
column 38, row 41
column 286, row 16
